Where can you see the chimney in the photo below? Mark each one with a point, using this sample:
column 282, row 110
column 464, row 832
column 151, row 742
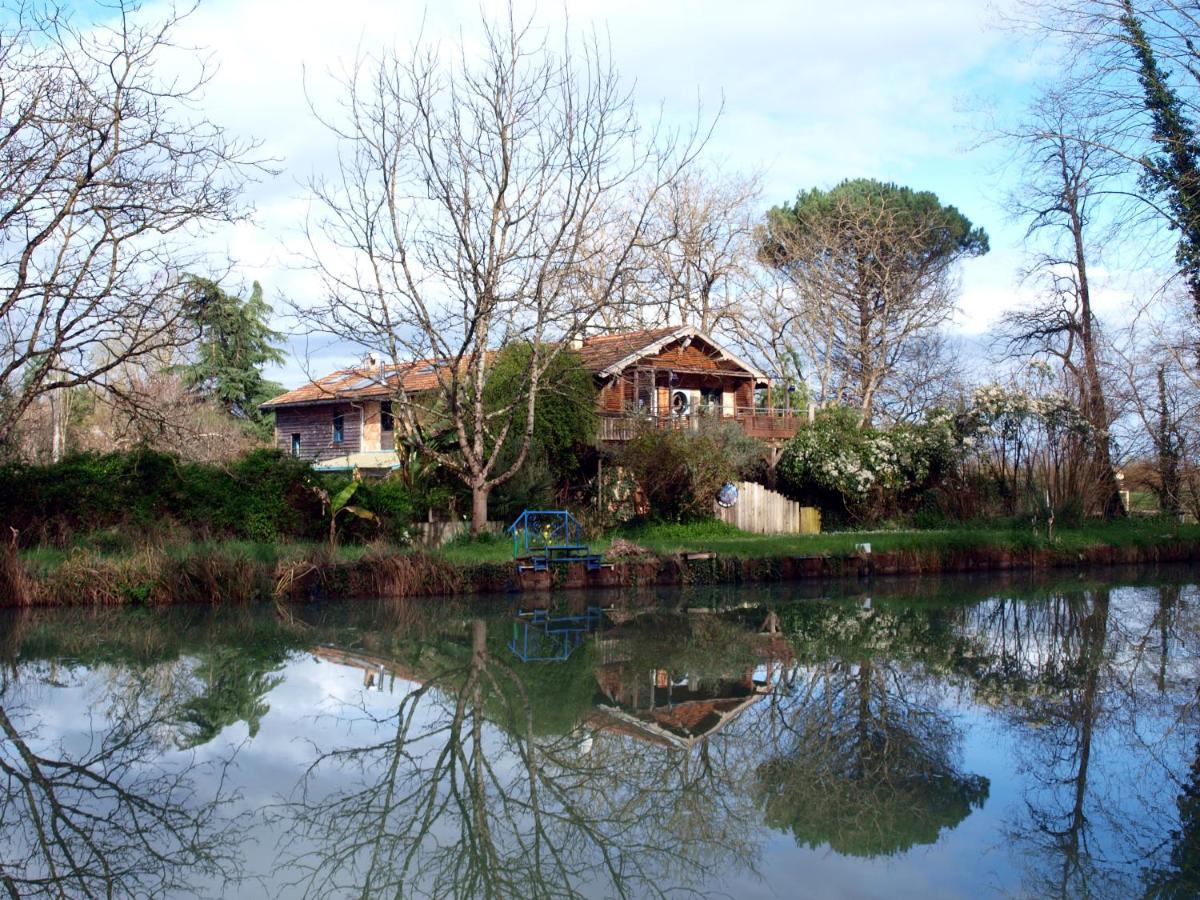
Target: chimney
column 373, row 361
column 577, row 341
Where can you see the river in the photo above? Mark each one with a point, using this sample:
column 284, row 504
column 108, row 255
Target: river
column 961, row 737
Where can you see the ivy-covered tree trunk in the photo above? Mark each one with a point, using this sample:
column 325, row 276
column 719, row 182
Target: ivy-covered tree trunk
column 1168, row 452
column 1175, row 172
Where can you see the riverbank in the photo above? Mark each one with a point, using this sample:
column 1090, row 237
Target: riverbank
column 234, row 572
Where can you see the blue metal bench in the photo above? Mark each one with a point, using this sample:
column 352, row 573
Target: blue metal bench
column 540, row 637
column 547, row 537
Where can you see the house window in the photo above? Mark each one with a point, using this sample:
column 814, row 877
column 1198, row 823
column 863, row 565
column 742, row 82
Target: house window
column 296, row 446
column 386, row 420
column 339, row 429
column 710, row 401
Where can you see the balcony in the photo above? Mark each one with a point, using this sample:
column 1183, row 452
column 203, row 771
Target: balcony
column 766, row 424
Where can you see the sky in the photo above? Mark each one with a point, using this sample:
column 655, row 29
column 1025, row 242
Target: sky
column 812, row 92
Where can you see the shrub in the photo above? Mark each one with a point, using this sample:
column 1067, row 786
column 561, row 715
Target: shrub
column 263, row 496
column 532, row 487
column 864, row 473
column 564, row 411
column 680, row 471
column 393, row 505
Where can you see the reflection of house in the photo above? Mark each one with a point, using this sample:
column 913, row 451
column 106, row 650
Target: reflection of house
column 678, row 710
column 374, row 668
column 672, row 377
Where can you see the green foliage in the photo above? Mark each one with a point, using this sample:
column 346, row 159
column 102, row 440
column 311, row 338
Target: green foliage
column 564, row 410
column 533, row 487
column 233, row 684
column 263, row 496
column 826, row 801
column 679, row 472
column 235, row 342
column 863, row 473
column 339, row 503
column 110, row 502
column 392, row 503
column 946, row 233
column 1173, row 173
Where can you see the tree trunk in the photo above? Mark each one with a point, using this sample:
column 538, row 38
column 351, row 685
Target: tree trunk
column 479, row 509
column 1095, row 405
column 1168, row 453
column 58, row 424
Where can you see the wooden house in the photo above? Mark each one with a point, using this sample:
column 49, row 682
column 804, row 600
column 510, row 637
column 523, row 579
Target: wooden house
column 670, row 377
column 678, row 377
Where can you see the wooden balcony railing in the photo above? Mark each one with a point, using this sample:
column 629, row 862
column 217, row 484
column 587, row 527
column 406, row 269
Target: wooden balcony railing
column 766, row 424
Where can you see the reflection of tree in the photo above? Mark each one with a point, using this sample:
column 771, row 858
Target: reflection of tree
column 1098, row 743
column 1180, row 877
column 446, row 804
column 110, row 818
column 867, row 765
column 1058, row 824
column 232, row 684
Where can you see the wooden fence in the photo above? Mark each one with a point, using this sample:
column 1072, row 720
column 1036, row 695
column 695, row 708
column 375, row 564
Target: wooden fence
column 762, row 511
column 431, row 535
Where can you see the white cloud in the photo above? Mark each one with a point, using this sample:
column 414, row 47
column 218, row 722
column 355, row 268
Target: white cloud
column 813, row 92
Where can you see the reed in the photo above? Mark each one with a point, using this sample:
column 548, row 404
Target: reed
column 17, row 588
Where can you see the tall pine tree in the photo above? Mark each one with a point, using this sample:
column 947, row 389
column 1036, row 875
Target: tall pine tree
column 235, row 342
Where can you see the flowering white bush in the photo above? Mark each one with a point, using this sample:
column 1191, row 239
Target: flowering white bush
column 837, row 457
column 1012, row 436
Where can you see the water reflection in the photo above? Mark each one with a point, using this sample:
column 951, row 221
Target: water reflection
column 1040, row 743
column 105, row 809
column 463, row 792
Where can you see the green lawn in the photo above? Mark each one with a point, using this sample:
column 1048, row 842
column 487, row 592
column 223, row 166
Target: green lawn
column 703, row 537
column 717, row 537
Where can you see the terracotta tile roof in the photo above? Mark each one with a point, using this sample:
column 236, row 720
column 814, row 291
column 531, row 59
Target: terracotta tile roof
column 361, row 383
column 598, row 353
column 604, row 350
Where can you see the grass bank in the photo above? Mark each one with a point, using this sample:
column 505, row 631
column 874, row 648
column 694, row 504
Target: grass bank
column 723, row 539
column 239, row 572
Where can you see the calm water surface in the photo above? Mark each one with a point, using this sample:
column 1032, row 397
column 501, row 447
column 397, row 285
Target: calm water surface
column 958, row 738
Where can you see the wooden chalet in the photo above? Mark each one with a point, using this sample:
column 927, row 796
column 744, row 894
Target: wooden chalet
column 671, row 377
column 678, row 377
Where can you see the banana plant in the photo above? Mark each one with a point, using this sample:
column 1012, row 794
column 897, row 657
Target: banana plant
column 340, row 503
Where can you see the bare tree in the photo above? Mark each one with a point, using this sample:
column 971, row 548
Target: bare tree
column 777, row 324
column 1159, row 393
column 499, row 196
column 1135, row 66
column 704, row 225
column 107, row 178
column 1067, row 175
column 111, row 817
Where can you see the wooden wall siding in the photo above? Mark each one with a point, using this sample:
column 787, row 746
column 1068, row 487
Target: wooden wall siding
column 620, row 394
column 694, row 356
column 762, row 511
column 314, row 424
column 612, row 395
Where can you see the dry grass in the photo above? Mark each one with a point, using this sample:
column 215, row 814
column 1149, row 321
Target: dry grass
column 16, row 587
column 404, row 575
